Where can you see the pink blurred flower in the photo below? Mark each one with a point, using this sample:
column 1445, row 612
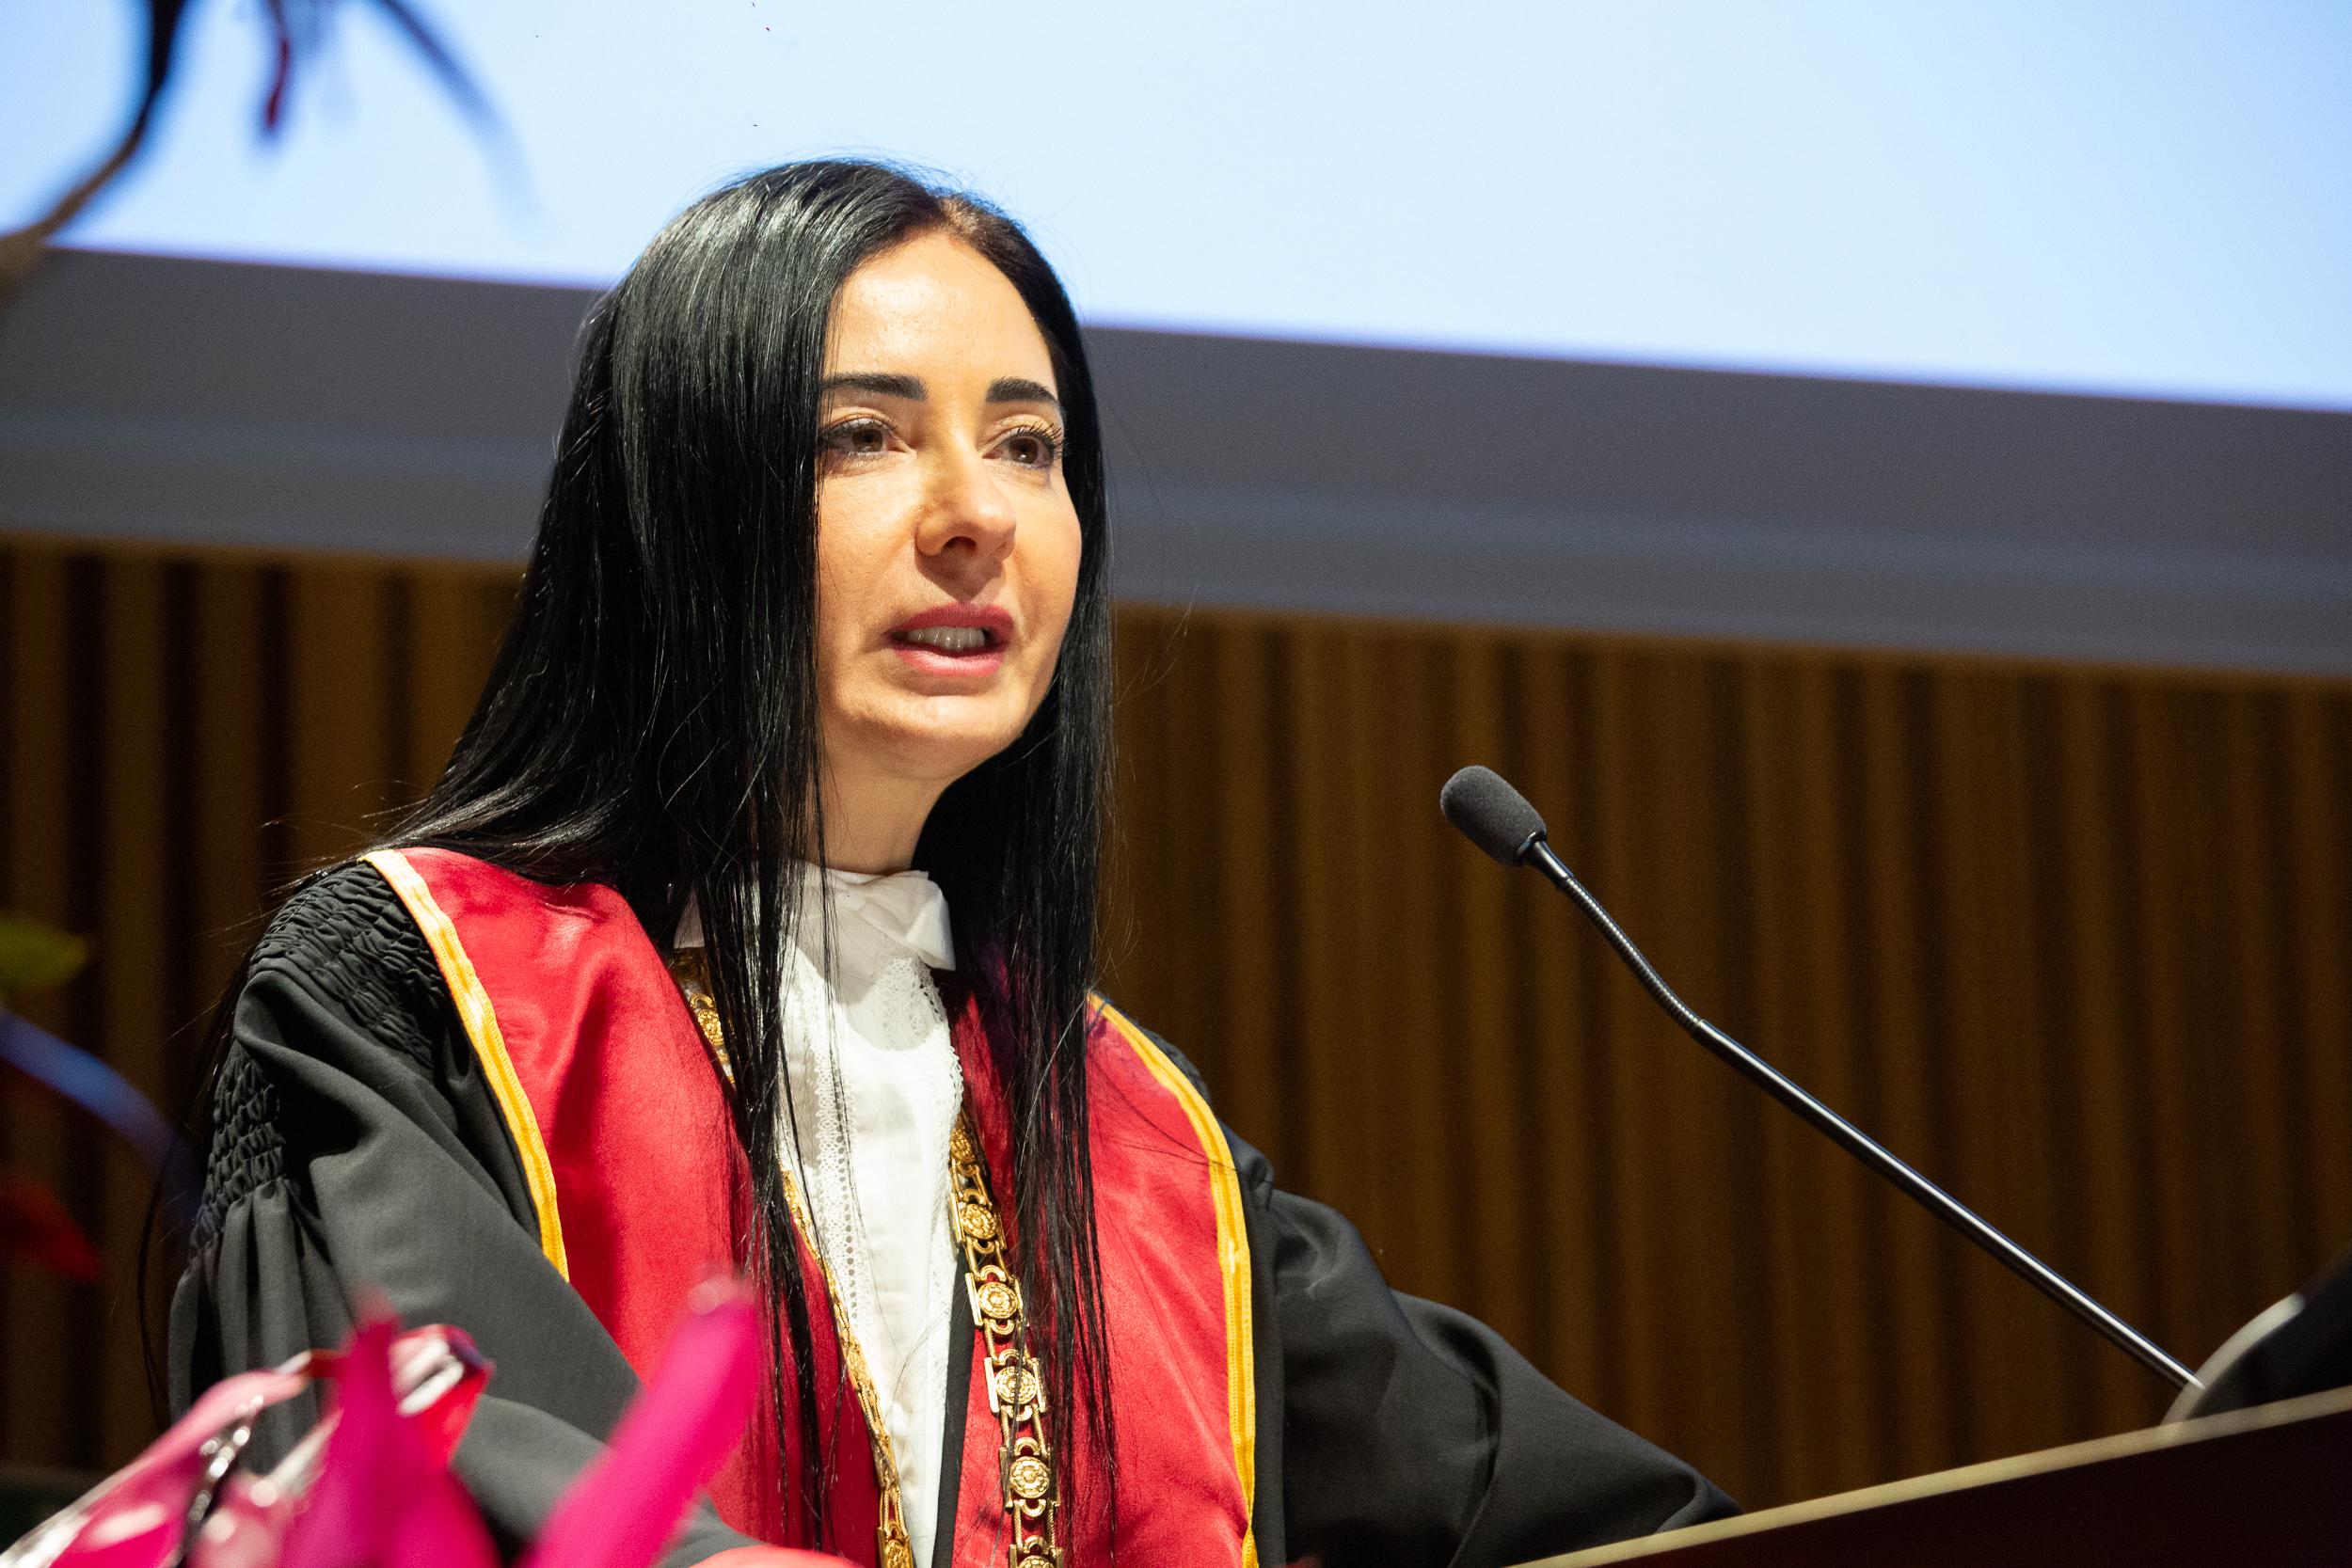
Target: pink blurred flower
column 370, row 1487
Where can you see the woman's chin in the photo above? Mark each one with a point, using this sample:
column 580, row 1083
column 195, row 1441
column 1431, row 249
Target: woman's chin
column 945, row 738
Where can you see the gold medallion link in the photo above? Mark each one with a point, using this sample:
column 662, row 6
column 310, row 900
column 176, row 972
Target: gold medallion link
column 1016, row 1387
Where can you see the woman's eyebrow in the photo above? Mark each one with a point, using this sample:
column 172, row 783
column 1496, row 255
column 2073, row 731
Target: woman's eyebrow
column 880, row 386
column 1020, row 388
column 1005, row 389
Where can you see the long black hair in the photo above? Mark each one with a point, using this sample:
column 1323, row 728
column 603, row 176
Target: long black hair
column 651, row 719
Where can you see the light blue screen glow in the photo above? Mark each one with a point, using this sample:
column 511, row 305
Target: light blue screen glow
column 2148, row 197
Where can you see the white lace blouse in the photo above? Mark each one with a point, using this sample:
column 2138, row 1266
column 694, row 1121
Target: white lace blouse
column 875, row 1090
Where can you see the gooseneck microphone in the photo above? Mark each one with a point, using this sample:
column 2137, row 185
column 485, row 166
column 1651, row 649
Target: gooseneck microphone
column 1497, row 817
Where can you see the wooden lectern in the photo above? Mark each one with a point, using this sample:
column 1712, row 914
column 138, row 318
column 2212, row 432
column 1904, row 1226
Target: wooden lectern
column 2269, row 1487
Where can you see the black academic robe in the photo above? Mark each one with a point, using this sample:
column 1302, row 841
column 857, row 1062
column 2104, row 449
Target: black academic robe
column 358, row 1148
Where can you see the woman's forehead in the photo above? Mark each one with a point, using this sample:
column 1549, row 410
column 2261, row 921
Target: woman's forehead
column 934, row 307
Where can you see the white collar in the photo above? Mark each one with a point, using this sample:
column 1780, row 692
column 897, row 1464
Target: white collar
column 903, row 909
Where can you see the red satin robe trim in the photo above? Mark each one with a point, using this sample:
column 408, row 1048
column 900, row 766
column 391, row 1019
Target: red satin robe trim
column 652, row 1190
column 1180, row 1494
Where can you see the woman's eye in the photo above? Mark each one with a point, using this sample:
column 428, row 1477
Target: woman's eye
column 1033, row 449
column 856, row 438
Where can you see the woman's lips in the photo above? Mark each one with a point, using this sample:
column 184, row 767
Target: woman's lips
column 965, row 640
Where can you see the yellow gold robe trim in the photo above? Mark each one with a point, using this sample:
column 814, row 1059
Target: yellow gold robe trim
column 1232, row 1249
column 489, row 1045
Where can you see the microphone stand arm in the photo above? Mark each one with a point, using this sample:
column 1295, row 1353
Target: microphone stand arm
column 1538, row 853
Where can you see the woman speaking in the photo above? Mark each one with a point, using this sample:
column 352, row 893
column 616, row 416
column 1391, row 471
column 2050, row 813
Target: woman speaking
column 752, row 927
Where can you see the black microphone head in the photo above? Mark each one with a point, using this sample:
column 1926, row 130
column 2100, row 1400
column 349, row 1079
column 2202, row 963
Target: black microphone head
column 1490, row 814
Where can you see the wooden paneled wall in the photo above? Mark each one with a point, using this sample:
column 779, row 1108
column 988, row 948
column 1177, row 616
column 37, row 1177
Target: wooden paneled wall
column 178, row 735
column 2075, row 940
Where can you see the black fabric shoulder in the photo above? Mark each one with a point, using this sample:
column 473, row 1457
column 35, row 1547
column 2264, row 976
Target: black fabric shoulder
column 347, row 938
column 247, row 1151
column 362, row 1156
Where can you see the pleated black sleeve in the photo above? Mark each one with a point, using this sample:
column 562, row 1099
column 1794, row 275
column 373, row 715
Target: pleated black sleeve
column 1400, row 1432
column 357, row 1149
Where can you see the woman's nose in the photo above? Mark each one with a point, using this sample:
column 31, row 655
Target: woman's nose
column 964, row 505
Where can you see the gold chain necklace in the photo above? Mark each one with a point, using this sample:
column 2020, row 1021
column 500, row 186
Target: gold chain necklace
column 1016, row 1391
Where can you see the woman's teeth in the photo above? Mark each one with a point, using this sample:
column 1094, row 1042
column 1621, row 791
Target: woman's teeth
column 949, row 639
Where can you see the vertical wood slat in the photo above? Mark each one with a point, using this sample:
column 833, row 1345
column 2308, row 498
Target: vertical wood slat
column 1250, row 934
column 2318, row 841
column 229, row 768
column 1361, row 1009
column 2163, row 773
column 1420, row 1116
column 1815, row 1206
column 1987, row 889
column 1326, row 979
column 453, row 624
column 2096, row 1021
column 44, row 1414
column 2250, row 960
column 1703, row 1122
column 1490, row 1059
column 342, row 709
column 2075, row 940
column 1133, row 862
column 132, row 864
column 1564, row 1148
column 1892, row 995
column 1642, row 1320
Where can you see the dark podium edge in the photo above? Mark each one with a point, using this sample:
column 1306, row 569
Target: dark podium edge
column 1991, row 1473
